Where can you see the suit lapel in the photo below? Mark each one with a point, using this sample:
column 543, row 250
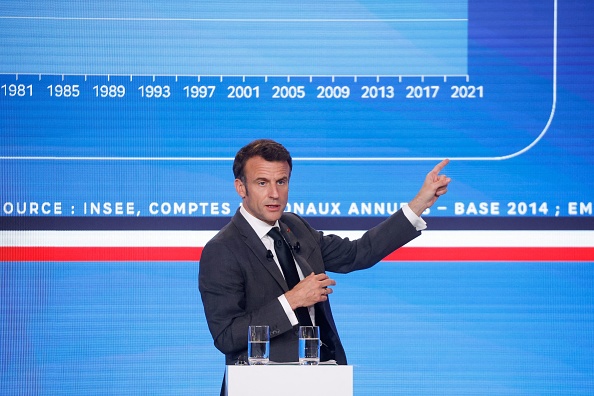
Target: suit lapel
column 250, row 238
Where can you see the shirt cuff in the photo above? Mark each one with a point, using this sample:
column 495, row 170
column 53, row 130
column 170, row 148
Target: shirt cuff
column 415, row 220
column 287, row 308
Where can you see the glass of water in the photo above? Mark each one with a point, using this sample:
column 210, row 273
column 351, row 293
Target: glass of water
column 309, row 345
column 258, row 345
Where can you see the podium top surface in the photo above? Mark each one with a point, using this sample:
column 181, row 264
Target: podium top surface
column 289, row 380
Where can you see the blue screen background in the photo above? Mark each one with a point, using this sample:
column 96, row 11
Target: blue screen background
column 425, row 328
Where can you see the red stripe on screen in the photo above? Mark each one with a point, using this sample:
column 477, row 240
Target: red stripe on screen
column 90, row 254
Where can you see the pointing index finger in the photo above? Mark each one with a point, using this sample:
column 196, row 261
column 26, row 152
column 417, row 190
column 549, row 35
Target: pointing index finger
column 440, row 166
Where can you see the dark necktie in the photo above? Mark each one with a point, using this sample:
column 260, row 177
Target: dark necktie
column 287, row 263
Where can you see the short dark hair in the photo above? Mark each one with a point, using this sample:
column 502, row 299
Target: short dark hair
column 266, row 148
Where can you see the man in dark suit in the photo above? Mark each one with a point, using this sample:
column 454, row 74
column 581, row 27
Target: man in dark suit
column 241, row 281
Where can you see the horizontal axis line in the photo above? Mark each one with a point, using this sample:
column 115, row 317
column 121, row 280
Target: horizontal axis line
column 151, row 75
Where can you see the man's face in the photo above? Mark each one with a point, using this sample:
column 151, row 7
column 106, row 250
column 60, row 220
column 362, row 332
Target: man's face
column 266, row 189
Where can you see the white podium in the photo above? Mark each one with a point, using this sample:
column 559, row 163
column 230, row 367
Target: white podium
column 277, row 379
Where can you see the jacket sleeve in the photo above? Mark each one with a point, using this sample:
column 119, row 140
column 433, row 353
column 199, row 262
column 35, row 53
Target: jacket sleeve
column 342, row 255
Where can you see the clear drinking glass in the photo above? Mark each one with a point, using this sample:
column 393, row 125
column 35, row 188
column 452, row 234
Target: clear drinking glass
column 309, row 345
column 258, row 345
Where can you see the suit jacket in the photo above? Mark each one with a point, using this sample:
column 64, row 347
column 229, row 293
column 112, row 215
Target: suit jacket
column 240, row 286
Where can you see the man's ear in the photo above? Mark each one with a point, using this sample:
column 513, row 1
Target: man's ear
column 240, row 188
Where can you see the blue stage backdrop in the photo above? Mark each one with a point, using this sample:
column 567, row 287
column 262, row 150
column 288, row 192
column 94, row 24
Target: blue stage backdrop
column 119, row 122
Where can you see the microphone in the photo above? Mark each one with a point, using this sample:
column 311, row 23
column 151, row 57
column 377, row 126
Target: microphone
column 296, row 247
column 269, row 255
